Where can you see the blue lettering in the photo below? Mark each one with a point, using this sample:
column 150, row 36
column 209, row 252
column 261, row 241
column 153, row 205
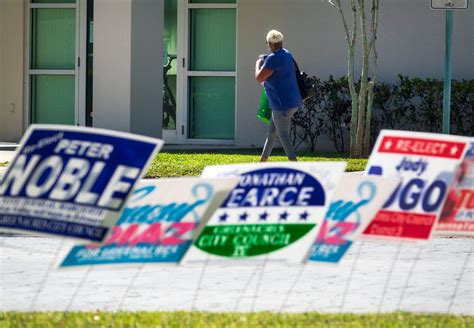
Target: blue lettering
column 414, row 192
column 408, row 197
column 171, row 212
column 392, row 197
column 437, row 185
column 276, row 187
column 418, row 166
column 340, row 210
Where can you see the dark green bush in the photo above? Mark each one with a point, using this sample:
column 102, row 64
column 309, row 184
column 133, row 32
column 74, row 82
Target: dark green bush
column 409, row 104
column 327, row 113
column 307, row 123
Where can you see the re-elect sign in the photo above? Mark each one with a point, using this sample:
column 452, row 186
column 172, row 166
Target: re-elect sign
column 425, row 163
column 158, row 223
column 272, row 214
column 72, row 181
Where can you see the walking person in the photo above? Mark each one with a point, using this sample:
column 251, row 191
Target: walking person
column 277, row 74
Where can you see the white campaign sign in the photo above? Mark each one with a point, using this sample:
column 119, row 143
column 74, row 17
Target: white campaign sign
column 158, row 223
column 273, row 214
column 425, row 163
column 354, row 204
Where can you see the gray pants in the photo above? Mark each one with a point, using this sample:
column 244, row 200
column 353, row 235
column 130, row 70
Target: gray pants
column 280, row 126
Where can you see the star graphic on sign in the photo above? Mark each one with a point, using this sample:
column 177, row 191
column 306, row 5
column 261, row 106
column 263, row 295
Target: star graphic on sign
column 263, row 216
column 454, row 150
column 388, row 144
column 223, row 217
column 283, row 216
column 243, row 216
column 304, row 216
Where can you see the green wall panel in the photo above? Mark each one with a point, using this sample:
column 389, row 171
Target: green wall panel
column 53, row 38
column 53, row 1
column 211, row 107
column 170, row 39
column 52, row 99
column 212, row 1
column 212, row 39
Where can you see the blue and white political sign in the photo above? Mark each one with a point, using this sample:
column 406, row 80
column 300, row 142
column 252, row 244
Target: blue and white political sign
column 356, row 201
column 273, row 214
column 72, row 181
column 158, row 223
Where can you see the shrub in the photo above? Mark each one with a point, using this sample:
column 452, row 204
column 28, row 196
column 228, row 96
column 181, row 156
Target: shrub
column 307, row 123
column 409, row 104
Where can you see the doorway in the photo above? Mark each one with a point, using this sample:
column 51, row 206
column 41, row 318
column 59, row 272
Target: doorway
column 56, row 86
column 200, row 66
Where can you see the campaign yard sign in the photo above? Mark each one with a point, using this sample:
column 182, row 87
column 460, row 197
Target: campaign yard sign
column 457, row 215
column 273, row 214
column 425, row 163
column 355, row 202
column 72, row 181
column 158, row 223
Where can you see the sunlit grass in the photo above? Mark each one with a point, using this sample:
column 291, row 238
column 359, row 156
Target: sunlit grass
column 187, row 163
column 205, row 319
column 177, row 164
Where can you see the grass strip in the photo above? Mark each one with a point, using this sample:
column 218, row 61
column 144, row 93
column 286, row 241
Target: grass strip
column 206, row 319
column 181, row 164
column 178, row 164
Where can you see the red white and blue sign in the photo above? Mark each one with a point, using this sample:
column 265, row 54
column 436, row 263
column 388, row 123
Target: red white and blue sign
column 457, row 215
column 72, row 181
column 158, row 223
column 425, row 163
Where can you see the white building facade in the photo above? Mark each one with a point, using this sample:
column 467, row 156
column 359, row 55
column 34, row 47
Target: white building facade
column 101, row 63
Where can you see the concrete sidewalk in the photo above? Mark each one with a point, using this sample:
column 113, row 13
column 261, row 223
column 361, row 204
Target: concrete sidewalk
column 7, row 151
column 373, row 277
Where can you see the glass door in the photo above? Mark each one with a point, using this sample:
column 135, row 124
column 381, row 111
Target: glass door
column 209, row 75
column 54, row 62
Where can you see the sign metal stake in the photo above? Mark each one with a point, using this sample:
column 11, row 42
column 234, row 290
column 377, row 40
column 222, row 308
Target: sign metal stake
column 447, row 72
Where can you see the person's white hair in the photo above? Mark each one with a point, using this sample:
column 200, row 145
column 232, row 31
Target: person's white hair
column 274, row 37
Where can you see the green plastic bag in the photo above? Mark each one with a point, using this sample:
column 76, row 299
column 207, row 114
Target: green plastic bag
column 264, row 112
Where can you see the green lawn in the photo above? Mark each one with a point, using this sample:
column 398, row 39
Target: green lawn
column 204, row 319
column 177, row 164
column 187, row 163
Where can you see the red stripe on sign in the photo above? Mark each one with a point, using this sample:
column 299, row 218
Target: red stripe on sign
column 424, row 147
column 401, row 225
column 462, row 226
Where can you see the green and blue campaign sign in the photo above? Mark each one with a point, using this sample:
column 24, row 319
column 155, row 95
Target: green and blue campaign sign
column 72, row 181
column 354, row 204
column 274, row 212
column 158, row 223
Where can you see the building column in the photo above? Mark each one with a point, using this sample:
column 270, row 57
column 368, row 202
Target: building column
column 12, row 24
column 128, row 70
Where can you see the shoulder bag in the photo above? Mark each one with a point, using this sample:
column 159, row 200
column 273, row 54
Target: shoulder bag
column 304, row 83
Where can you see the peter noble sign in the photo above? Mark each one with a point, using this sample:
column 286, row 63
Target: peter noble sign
column 72, row 181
